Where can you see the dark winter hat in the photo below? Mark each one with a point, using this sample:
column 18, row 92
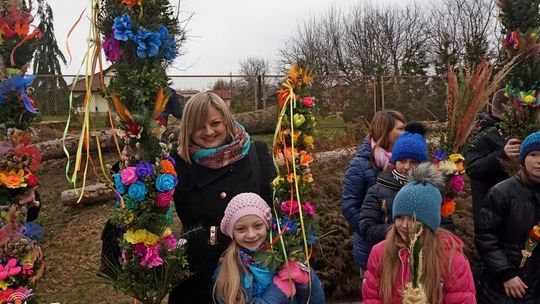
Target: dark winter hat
column 531, row 143
column 421, row 197
column 411, row 144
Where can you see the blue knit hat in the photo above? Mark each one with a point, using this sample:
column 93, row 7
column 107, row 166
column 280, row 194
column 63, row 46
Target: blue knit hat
column 421, row 197
column 531, row 143
column 411, row 144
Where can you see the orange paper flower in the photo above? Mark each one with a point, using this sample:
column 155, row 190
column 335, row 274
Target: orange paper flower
column 14, row 179
column 305, row 159
column 129, row 3
column 448, row 207
column 167, row 167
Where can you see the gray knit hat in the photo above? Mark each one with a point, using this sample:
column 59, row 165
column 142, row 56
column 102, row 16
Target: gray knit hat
column 421, row 197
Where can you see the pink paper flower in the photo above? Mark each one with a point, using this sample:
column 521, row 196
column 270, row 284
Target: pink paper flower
column 112, row 49
column 128, row 175
column 309, row 209
column 289, row 207
column 10, row 269
column 307, row 102
column 151, row 259
column 27, row 269
column 456, row 183
column 169, row 241
column 163, row 200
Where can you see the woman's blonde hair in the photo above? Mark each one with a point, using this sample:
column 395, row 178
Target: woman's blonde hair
column 228, row 286
column 194, row 116
column 436, row 262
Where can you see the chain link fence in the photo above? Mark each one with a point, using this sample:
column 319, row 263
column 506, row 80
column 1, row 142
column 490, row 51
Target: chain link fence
column 352, row 100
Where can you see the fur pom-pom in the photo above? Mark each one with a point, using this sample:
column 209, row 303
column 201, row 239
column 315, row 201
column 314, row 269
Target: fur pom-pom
column 426, row 172
column 416, row 127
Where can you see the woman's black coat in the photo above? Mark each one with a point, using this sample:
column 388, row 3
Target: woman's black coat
column 511, row 210
column 200, row 198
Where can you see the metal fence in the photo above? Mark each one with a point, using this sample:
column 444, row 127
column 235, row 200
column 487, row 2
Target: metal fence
column 418, row 97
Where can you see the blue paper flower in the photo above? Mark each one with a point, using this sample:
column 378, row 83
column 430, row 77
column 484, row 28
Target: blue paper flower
column 137, row 191
column 439, row 155
column 170, row 51
column 166, row 182
column 163, row 33
column 120, row 188
column 148, row 43
column 122, row 28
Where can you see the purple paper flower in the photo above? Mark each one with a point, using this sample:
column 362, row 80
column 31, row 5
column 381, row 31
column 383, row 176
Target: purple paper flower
column 144, row 169
column 148, row 43
column 112, row 49
column 171, row 159
column 122, row 28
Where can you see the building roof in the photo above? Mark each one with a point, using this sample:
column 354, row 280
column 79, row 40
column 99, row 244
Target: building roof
column 80, row 85
column 187, row 92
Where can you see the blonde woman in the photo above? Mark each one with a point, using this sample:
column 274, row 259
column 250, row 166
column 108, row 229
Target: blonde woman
column 216, row 160
column 446, row 273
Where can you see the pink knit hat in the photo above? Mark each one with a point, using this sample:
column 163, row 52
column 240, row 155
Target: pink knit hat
column 241, row 205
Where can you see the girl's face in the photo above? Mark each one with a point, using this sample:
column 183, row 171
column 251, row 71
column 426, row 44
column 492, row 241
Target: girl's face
column 405, row 165
column 399, row 127
column 213, row 132
column 532, row 164
column 249, row 232
column 405, row 227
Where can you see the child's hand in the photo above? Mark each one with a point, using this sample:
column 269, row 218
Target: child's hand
column 295, row 272
column 285, row 286
column 515, row 288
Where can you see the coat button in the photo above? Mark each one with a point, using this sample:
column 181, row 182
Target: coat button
column 223, row 195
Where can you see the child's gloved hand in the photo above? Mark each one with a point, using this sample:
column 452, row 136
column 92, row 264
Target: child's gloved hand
column 285, row 286
column 295, row 272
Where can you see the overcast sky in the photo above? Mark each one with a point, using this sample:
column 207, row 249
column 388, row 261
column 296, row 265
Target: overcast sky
column 221, row 32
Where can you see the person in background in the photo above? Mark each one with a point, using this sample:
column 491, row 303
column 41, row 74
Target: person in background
column 408, row 152
column 482, row 160
column 373, row 156
column 506, row 224
column 215, row 161
column 240, row 278
column 446, row 273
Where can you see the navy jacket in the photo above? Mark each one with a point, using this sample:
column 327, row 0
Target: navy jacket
column 360, row 175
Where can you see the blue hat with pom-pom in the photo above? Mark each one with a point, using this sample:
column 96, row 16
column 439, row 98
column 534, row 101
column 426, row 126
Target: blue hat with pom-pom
column 421, row 198
column 411, row 144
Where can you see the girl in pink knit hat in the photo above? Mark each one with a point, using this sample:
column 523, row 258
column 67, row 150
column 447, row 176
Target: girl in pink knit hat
column 240, row 278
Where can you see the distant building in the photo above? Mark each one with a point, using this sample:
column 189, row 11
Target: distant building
column 187, row 93
column 98, row 104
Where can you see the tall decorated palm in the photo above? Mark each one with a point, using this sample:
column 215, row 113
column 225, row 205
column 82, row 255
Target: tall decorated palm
column 520, row 22
column 141, row 39
column 20, row 255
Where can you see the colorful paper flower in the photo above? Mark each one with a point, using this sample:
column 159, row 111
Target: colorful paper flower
column 289, row 207
column 14, row 179
column 166, row 182
column 32, row 180
column 448, row 207
column 151, row 259
column 163, row 200
column 148, row 43
column 309, row 208
column 10, row 269
column 122, row 28
column 118, row 184
column 140, row 236
column 457, row 183
column 128, row 175
column 144, row 169
column 137, row 191
column 438, row 156
column 112, row 49
column 447, row 167
column 308, row 102
column 167, row 167
column 171, row 52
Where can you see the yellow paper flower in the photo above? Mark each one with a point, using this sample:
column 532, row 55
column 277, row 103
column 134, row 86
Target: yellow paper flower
column 166, row 232
column 277, row 181
column 3, row 285
column 308, row 141
column 141, row 236
column 447, row 167
column 456, row 157
column 529, row 99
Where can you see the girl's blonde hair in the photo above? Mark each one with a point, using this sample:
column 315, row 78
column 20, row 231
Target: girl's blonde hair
column 382, row 124
column 228, row 286
column 194, row 116
column 436, row 262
